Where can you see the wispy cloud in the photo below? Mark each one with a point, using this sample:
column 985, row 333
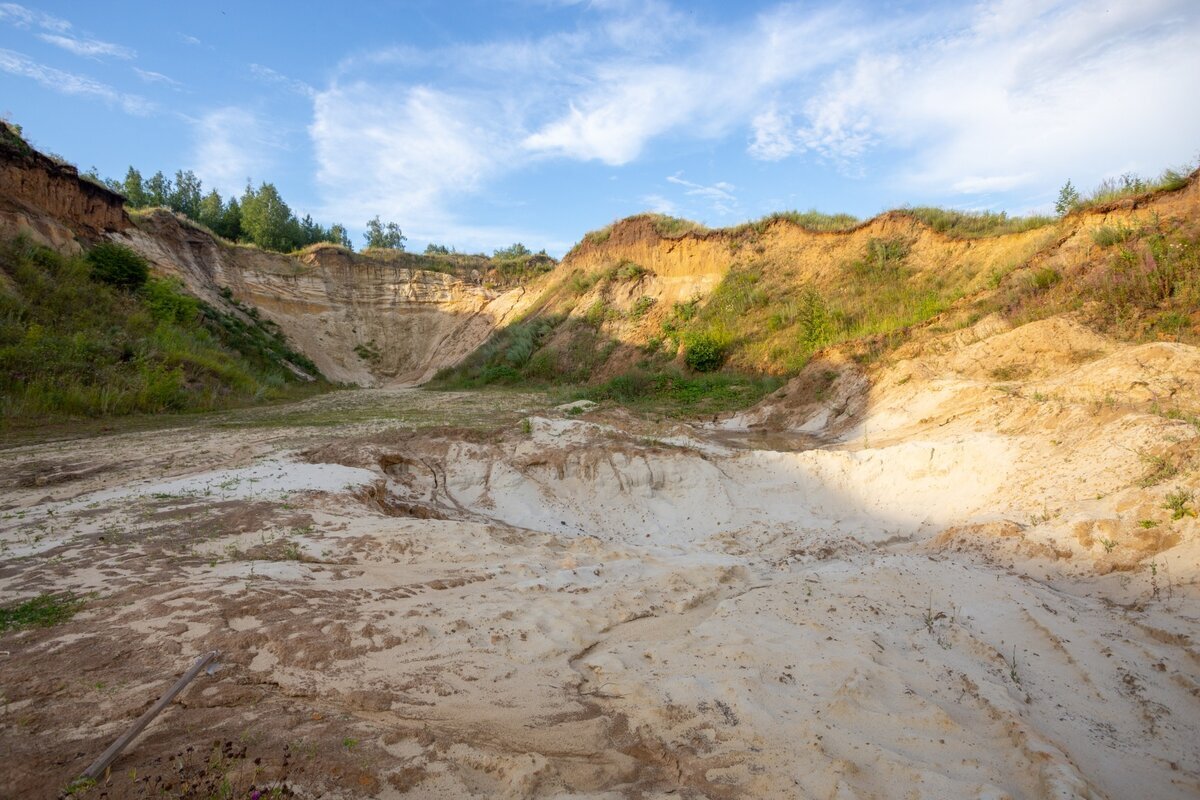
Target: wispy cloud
column 273, row 78
column 25, row 18
column 719, row 196
column 986, row 98
column 405, row 155
column 155, row 77
column 232, row 145
column 1018, row 92
column 89, row 48
column 660, row 205
column 72, row 84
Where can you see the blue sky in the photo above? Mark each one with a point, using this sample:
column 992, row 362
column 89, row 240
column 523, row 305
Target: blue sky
column 477, row 124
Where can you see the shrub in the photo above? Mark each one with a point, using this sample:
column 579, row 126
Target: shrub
column 1043, row 278
column 703, row 352
column 1108, row 235
column 641, row 306
column 118, row 266
column 166, row 302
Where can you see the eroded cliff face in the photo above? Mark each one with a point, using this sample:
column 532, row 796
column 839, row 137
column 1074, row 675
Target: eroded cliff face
column 367, row 320
column 48, row 201
column 360, row 319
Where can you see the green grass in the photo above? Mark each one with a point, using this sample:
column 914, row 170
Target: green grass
column 975, row 224
column 43, row 611
column 674, row 393
column 72, row 346
column 811, row 220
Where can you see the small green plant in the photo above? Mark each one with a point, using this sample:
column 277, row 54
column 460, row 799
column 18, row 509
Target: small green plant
column 1178, row 503
column 1009, row 372
column 1158, row 469
column 1148, row 523
column 80, row 786
column 1012, row 668
column 1108, row 235
column 1108, row 544
column 641, row 306
column 43, row 611
column 1043, row 278
column 527, row 426
column 349, row 743
column 368, row 351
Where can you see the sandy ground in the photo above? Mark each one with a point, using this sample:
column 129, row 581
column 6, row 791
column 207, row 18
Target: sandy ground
column 945, row 586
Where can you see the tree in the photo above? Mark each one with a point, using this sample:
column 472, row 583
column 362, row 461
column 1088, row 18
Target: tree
column 516, row 250
column 158, row 190
column 184, row 197
column 387, row 237
column 432, row 249
column 231, row 221
column 338, row 235
column 266, row 219
column 212, row 211
column 1068, row 199
column 134, row 189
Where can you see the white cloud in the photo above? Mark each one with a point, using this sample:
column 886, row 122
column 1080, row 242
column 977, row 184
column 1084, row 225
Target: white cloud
column 719, row 196
column 24, row 18
column 977, row 99
column 231, row 145
column 773, row 136
column 404, row 154
column 714, row 83
column 271, row 77
column 70, row 83
column 614, row 126
column 89, row 48
column 660, row 205
column 1024, row 92
column 155, row 77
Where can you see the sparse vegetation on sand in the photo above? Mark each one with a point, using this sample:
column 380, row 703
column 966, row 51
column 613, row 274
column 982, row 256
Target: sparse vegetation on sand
column 98, row 336
column 43, row 611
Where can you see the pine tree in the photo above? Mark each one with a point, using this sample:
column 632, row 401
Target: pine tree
column 1068, row 199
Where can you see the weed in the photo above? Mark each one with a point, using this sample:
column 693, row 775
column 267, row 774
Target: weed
column 1158, row 469
column 641, row 306
column 1010, row 372
column 1012, row 668
column 1043, row 278
column 1178, row 502
column 43, row 611
column 1108, row 235
column 1148, row 523
column 975, row 224
column 368, row 351
column 527, row 426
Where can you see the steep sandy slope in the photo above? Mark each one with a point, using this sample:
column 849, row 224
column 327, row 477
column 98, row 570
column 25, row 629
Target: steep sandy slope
column 771, row 294
column 361, row 320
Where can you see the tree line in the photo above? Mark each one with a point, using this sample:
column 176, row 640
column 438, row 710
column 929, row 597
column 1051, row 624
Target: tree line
column 260, row 216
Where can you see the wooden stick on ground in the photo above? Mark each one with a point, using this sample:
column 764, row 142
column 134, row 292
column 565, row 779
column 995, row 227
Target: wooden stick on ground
column 110, row 755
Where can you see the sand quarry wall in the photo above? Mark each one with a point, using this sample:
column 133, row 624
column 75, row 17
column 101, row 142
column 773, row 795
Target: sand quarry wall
column 361, row 320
